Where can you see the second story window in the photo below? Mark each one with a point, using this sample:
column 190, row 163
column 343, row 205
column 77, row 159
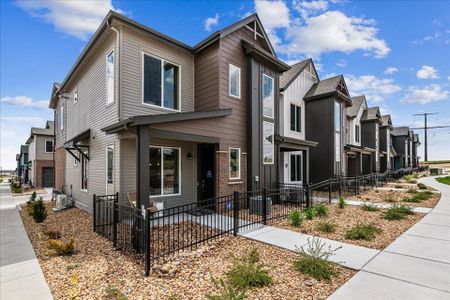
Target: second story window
column 268, row 96
column 110, row 60
column 48, row 146
column 161, row 83
column 357, row 133
column 296, row 118
column 234, row 81
column 61, row 117
column 75, row 96
column 235, row 163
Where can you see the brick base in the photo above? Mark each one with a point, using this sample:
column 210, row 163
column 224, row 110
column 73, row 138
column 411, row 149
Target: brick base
column 225, row 186
column 37, row 166
column 60, row 168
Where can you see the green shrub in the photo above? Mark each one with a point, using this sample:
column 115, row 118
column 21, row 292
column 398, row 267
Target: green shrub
column 33, row 196
column 61, row 247
column 227, row 292
column 398, row 186
column 17, row 190
column 411, row 191
column 296, row 218
column 398, row 212
column 113, row 293
column 411, row 181
column 418, row 196
column 369, row 207
column 421, row 186
column 326, row 226
column 314, row 260
column 247, row 271
column 389, row 198
column 362, row 232
column 309, row 213
column 38, row 211
column 341, row 202
column 321, row 210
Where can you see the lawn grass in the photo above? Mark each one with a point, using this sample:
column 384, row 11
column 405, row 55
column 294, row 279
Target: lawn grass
column 444, row 180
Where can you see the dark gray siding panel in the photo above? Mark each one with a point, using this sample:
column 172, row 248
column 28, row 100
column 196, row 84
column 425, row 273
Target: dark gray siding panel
column 399, row 144
column 368, row 134
column 207, row 79
column 383, row 140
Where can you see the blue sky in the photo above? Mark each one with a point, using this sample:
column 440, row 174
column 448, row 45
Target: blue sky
column 397, row 53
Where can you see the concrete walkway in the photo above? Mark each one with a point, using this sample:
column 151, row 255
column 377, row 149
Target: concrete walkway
column 21, row 277
column 414, row 266
column 8, row 201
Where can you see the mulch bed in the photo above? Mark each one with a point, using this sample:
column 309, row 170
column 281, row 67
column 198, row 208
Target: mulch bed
column 349, row 217
column 381, row 196
column 187, row 275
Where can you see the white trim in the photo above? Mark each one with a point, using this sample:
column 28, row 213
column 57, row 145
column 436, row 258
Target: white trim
column 273, row 99
column 82, row 158
column 61, row 117
column 289, row 157
column 45, row 146
column 273, row 144
column 109, row 103
column 106, row 169
column 230, row 66
column 296, row 116
column 229, row 163
column 162, row 82
column 162, row 170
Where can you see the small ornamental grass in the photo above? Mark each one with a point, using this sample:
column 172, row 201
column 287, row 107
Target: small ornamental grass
column 226, row 292
column 389, row 198
column 422, row 186
column 363, row 232
column 314, row 260
column 112, row 293
column 341, row 202
column 321, row 210
column 53, row 234
column 417, row 197
column 309, row 213
column 327, row 226
column 247, row 272
column 61, row 247
column 398, row 186
column 296, row 218
column 369, row 207
column 398, row 212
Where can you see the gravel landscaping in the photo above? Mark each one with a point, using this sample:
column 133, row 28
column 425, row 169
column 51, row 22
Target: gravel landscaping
column 97, row 271
column 347, row 218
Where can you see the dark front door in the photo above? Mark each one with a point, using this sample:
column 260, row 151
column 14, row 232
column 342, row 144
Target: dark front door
column 206, row 171
column 47, row 177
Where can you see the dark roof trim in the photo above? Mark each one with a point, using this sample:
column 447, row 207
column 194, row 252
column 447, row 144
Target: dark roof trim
column 181, row 136
column 292, row 141
column 265, row 56
column 164, row 118
column 289, row 82
column 78, row 138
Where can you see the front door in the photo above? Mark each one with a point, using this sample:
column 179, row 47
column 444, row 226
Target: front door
column 206, row 171
column 293, row 167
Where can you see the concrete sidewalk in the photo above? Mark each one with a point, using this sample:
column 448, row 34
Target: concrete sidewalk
column 8, row 201
column 351, row 256
column 21, row 277
column 414, row 266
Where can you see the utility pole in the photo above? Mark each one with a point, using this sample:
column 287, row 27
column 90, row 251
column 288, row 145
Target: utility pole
column 426, row 128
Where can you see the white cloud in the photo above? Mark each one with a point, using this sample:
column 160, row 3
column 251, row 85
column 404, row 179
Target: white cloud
column 434, row 36
column 24, row 101
column 375, row 89
column 426, row 94
column 306, row 8
column 273, row 14
column 448, row 78
column 211, row 22
column 427, row 72
column 76, row 18
column 341, row 63
column 390, row 70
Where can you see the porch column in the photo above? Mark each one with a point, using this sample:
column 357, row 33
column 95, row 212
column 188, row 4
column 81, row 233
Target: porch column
column 142, row 166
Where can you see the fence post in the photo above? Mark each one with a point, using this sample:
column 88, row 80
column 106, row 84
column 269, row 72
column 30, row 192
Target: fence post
column 147, row 242
column 308, row 195
column 264, row 207
column 115, row 209
column 235, row 213
column 329, row 189
column 94, row 212
column 340, row 186
column 356, row 186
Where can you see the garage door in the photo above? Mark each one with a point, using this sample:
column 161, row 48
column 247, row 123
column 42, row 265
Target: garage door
column 47, row 177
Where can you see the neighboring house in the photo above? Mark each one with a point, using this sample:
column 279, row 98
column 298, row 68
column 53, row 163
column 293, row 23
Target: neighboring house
column 400, row 142
column 415, row 154
column 354, row 149
column 370, row 138
column 58, row 104
column 148, row 114
column 40, row 156
column 293, row 146
column 386, row 149
column 325, row 106
column 22, row 164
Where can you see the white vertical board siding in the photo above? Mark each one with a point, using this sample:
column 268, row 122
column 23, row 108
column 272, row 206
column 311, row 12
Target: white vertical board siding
column 91, row 112
column 188, row 174
column 134, row 44
column 294, row 94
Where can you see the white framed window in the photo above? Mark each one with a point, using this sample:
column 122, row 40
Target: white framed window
column 268, row 143
column 48, row 146
column 165, row 170
column 75, row 96
column 268, row 94
column 234, row 159
column 234, row 81
column 84, row 172
column 296, row 118
column 61, row 117
column 296, row 167
column 357, row 133
column 337, row 137
column 161, row 83
column 110, row 76
column 109, row 164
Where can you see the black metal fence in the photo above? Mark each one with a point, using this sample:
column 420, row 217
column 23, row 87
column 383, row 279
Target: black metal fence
column 152, row 235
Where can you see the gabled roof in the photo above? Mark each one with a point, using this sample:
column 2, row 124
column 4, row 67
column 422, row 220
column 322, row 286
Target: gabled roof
column 400, row 131
column 371, row 114
column 290, row 75
column 54, row 96
column 328, row 87
column 48, row 130
column 23, row 149
column 357, row 101
column 261, row 54
column 416, row 138
column 386, row 120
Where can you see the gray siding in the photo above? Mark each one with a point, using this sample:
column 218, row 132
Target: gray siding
column 207, row 79
column 39, row 143
column 398, row 142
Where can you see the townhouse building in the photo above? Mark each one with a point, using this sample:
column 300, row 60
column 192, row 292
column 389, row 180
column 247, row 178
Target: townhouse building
column 386, row 149
column 400, row 142
column 370, row 138
column 40, row 156
column 22, row 169
column 415, row 154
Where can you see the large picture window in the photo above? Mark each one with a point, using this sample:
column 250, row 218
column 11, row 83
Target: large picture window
column 164, row 171
column 161, row 83
column 110, row 59
column 268, row 96
column 235, row 163
column 268, row 146
column 357, row 133
column 296, row 118
column 110, row 164
column 234, row 81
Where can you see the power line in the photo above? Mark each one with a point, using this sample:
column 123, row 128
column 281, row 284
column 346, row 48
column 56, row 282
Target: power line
column 426, row 128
